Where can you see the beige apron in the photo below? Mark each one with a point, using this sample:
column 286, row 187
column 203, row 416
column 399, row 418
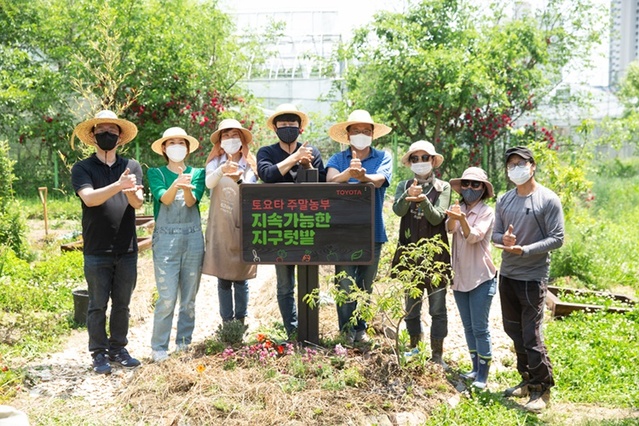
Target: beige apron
column 223, row 254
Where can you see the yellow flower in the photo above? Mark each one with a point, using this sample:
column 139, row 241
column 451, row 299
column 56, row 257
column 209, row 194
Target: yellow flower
column 200, row 368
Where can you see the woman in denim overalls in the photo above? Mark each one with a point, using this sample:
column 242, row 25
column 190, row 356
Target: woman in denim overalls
column 178, row 242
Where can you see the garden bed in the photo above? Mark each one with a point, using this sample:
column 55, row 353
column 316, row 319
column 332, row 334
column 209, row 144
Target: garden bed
column 144, row 225
column 562, row 301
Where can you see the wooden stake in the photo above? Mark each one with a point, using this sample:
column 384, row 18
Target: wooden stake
column 43, row 197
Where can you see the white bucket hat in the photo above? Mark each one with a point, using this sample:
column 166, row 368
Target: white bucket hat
column 84, row 130
column 423, row 146
column 338, row 131
column 174, row 132
column 287, row 109
column 231, row 123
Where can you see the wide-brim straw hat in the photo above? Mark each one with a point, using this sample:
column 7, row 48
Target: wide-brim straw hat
column 287, row 109
column 338, row 131
column 423, row 146
column 473, row 173
column 171, row 133
column 231, row 123
column 84, row 130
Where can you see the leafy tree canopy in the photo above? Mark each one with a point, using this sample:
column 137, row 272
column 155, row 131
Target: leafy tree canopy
column 458, row 76
column 158, row 63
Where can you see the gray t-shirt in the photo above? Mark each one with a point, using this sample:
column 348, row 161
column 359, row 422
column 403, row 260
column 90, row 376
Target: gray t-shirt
column 538, row 224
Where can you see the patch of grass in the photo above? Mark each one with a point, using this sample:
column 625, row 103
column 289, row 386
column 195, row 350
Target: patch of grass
column 595, row 357
column 59, row 207
column 482, row 409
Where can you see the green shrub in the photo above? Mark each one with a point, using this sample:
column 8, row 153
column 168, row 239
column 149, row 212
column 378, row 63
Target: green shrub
column 12, row 224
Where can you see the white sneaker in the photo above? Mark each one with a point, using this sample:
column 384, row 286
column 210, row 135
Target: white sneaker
column 181, row 347
column 159, row 356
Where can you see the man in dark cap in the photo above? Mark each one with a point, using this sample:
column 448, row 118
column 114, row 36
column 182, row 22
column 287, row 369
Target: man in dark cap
column 529, row 223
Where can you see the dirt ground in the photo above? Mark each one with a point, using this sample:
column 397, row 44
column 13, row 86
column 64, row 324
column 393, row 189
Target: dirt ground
column 59, row 378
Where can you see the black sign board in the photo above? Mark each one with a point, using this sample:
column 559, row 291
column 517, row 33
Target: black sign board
column 308, row 223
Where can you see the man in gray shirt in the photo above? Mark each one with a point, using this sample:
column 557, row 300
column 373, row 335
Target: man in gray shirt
column 529, row 223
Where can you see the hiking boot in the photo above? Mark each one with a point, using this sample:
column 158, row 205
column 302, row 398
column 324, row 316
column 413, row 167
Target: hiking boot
column 437, row 348
column 521, row 390
column 159, row 356
column 361, row 336
column 415, row 339
column 101, row 363
column 539, row 399
column 122, row 357
column 349, row 337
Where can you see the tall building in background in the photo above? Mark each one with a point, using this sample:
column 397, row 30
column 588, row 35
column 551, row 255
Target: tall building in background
column 624, row 37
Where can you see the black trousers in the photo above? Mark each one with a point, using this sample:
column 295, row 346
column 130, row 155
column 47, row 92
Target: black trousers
column 522, row 307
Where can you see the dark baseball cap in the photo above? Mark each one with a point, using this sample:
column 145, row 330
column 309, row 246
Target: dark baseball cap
column 522, row 151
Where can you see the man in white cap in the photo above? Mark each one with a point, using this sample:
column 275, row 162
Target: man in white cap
column 529, row 223
column 110, row 187
column 281, row 162
column 360, row 163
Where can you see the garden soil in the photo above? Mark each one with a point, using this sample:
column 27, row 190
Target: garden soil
column 56, row 379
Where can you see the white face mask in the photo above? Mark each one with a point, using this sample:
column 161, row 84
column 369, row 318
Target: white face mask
column 176, row 153
column 421, row 169
column 361, row 141
column 231, row 146
column 520, row 175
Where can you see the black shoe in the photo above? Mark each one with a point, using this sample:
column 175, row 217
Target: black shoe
column 122, row 357
column 101, row 363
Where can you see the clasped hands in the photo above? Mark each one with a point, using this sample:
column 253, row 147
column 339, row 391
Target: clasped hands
column 510, row 242
column 128, row 182
column 304, row 155
column 415, row 193
column 232, row 170
column 355, row 169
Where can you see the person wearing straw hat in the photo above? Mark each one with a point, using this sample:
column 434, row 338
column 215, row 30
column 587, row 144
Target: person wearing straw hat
column 178, row 243
column 529, row 223
column 229, row 164
column 474, row 285
column 110, row 187
column 279, row 163
column 360, row 162
column 421, row 202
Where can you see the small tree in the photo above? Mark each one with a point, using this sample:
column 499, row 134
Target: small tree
column 387, row 301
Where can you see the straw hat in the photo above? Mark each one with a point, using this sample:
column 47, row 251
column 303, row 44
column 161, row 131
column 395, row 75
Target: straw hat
column 230, row 123
column 287, row 109
column 476, row 174
column 174, row 132
column 84, row 130
column 423, row 146
column 338, row 132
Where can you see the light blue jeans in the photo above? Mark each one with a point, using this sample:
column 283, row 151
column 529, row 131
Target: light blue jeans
column 177, row 259
column 286, row 296
column 474, row 309
column 227, row 292
column 363, row 275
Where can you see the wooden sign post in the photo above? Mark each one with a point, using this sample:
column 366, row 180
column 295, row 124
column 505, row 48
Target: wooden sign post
column 307, row 224
column 43, row 197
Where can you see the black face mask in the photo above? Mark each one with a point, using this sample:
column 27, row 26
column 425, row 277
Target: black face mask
column 288, row 134
column 106, row 141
